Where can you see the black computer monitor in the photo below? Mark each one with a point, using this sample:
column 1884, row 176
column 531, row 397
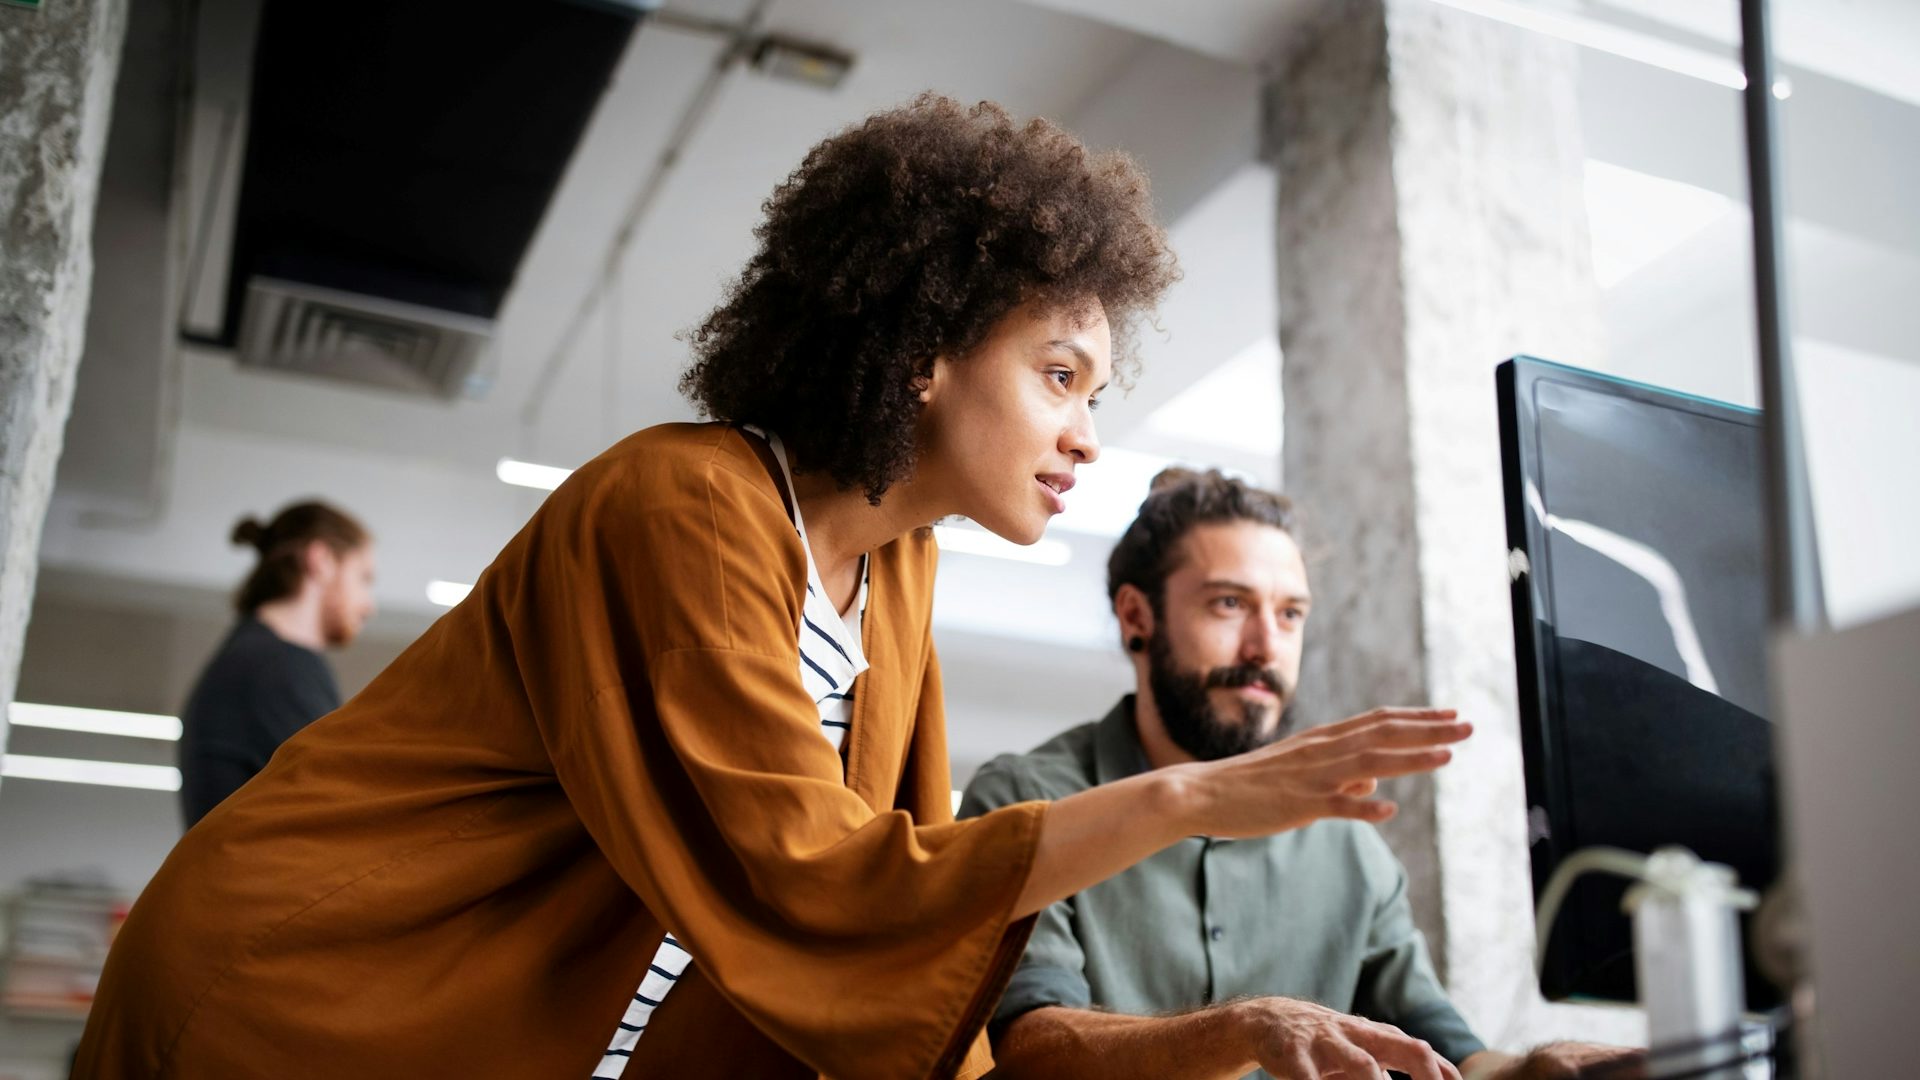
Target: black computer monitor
column 1637, row 548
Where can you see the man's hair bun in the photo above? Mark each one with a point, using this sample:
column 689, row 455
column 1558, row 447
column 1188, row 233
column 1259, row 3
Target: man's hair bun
column 251, row 533
column 1171, row 477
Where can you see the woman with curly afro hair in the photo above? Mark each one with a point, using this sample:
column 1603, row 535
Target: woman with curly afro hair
column 668, row 793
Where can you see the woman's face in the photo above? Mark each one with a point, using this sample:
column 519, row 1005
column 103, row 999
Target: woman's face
column 1005, row 427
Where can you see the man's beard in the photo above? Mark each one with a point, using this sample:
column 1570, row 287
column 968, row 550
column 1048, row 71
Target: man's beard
column 1187, row 712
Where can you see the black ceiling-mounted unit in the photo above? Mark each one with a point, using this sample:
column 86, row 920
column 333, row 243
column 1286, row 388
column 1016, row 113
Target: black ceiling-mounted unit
column 400, row 156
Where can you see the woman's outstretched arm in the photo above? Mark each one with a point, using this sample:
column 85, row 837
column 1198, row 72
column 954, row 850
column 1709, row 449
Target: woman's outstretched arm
column 1326, row 772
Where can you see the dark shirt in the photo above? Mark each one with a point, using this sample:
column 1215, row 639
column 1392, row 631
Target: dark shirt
column 1318, row 913
column 254, row 694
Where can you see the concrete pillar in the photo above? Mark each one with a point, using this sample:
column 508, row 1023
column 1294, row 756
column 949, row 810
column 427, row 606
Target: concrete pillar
column 1430, row 224
column 58, row 62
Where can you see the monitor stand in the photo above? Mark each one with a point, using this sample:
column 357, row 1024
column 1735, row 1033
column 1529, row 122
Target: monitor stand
column 1687, row 965
column 1686, row 955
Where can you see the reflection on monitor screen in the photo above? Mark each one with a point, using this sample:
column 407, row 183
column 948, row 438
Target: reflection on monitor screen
column 1656, row 538
column 1641, row 640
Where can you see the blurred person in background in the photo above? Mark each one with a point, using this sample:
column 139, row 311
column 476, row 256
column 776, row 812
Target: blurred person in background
column 311, row 590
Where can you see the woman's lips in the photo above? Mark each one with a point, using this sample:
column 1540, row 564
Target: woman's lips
column 1056, row 486
column 1054, row 498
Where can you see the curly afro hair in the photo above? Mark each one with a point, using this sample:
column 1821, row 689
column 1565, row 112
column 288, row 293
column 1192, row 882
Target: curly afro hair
column 906, row 238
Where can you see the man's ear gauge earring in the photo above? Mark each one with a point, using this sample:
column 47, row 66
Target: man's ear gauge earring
column 1136, row 643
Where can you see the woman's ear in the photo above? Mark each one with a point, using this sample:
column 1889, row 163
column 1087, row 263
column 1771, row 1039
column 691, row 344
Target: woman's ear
column 927, row 384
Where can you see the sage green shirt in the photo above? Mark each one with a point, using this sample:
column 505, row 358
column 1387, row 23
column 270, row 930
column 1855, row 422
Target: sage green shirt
column 1319, row 913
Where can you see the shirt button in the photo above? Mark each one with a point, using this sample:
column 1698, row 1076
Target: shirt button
column 1217, row 933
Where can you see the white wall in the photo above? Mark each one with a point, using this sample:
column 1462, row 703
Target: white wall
column 1850, row 161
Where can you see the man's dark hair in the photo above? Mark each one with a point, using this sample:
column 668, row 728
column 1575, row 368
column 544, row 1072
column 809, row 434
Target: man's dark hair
column 282, row 544
column 906, row 238
column 1178, row 501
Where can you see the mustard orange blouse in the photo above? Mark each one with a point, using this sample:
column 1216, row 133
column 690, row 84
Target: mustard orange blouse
column 464, row 870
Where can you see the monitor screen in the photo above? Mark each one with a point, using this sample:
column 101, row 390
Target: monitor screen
column 1636, row 523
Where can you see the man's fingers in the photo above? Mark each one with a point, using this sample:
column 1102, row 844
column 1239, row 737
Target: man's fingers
column 1398, row 1050
column 1337, row 1057
column 1359, row 788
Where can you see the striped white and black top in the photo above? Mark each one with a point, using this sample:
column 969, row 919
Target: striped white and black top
column 830, row 660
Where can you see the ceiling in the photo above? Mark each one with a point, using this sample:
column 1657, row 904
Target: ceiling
column 249, row 440
column 1173, row 83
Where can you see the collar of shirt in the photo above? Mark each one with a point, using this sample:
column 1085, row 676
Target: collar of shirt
column 1117, row 753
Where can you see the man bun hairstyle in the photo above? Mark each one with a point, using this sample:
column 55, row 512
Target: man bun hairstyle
column 905, row 238
column 282, row 544
column 1178, row 501
column 251, row 533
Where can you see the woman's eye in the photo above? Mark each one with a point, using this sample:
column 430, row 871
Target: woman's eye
column 1093, row 404
column 1227, row 602
column 1062, row 375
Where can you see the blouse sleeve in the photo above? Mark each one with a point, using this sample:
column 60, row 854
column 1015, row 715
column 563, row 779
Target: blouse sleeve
column 654, row 627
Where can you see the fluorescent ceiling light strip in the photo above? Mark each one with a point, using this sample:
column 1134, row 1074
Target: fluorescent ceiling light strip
column 447, row 593
column 980, row 542
column 95, row 721
column 1617, row 40
column 80, row 771
column 527, row 474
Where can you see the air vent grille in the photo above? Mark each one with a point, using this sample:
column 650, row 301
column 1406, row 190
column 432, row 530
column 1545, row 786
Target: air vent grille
column 307, row 329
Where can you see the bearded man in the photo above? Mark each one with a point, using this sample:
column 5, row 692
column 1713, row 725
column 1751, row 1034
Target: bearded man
column 1293, row 955
column 311, row 589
